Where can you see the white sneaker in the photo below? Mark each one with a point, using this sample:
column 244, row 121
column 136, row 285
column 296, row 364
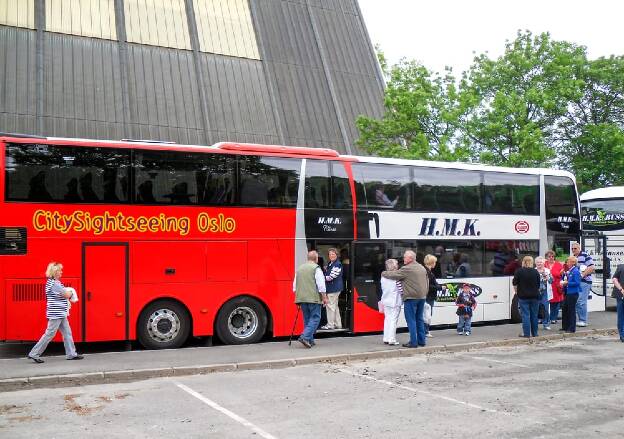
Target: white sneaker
column 547, row 328
column 429, row 334
column 394, row 343
column 326, row 327
column 467, row 333
column 581, row 324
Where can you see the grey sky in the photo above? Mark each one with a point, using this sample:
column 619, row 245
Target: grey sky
column 446, row 32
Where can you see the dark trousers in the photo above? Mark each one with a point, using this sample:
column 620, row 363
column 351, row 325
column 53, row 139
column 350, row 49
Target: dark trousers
column 568, row 313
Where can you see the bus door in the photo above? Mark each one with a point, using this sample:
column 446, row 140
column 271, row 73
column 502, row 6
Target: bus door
column 367, row 263
column 105, row 291
column 344, row 301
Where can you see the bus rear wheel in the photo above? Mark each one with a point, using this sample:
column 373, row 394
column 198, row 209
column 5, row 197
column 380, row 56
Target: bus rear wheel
column 241, row 320
column 163, row 324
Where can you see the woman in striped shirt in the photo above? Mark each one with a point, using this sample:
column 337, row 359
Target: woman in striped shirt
column 57, row 310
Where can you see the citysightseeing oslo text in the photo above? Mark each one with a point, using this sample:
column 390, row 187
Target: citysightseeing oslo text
column 80, row 221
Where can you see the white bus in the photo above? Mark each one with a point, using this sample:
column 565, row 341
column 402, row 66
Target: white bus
column 479, row 220
column 603, row 212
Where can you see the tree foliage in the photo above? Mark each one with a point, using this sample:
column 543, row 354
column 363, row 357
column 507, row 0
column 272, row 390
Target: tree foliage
column 541, row 103
column 420, row 120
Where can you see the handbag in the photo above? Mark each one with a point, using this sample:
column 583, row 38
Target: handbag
column 380, row 306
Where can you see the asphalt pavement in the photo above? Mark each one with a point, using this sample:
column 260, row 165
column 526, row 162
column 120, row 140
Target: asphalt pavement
column 108, row 367
column 564, row 388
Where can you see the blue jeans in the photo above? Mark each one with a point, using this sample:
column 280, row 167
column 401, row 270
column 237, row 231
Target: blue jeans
column 620, row 317
column 414, row 309
column 311, row 319
column 581, row 305
column 528, row 310
column 546, row 304
column 554, row 310
column 464, row 324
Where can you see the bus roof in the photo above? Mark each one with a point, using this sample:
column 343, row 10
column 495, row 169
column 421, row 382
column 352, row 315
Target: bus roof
column 604, row 193
column 275, row 150
column 461, row 165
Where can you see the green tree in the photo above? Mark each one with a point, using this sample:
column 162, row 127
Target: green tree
column 421, row 114
column 516, row 100
column 591, row 133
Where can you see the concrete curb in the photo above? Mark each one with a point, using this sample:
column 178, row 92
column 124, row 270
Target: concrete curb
column 117, row 376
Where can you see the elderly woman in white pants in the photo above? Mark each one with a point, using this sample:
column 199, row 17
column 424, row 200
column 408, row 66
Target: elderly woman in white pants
column 391, row 301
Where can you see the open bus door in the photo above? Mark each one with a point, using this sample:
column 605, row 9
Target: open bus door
column 345, row 299
column 596, row 244
column 367, row 263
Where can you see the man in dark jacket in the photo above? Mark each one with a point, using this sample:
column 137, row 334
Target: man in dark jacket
column 526, row 282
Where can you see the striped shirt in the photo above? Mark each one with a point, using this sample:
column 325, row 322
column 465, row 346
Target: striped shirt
column 585, row 259
column 57, row 305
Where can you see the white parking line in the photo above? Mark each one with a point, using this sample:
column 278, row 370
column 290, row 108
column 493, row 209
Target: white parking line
column 424, row 392
column 499, row 361
column 226, row 412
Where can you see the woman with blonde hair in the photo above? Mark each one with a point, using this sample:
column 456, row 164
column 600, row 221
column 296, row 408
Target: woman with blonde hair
column 526, row 282
column 57, row 310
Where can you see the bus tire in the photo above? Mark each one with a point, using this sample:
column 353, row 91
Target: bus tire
column 241, row 320
column 516, row 317
column 163, row 324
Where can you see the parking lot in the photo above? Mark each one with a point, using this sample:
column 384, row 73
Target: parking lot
column 564, row 388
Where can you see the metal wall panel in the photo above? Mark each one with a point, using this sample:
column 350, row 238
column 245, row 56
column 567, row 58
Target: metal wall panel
column 237, row 97
column 316, row 75
column 17, row 82
column 163, row 90
column 82, row 91
column 19, row 13
column 225, row 27
column 302, row 91
column 86, row 18
column 157, row 23
column 324, row 69
column 287, row 33
column 351, row 66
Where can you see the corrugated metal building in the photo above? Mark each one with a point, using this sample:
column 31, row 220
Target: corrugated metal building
column 294, row 72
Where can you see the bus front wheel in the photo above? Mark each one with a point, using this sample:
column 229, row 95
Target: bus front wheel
column 163, row 324
column 515, row 310
column 241, row 320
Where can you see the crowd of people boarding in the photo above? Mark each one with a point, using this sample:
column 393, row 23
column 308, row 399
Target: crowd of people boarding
column 541, row 284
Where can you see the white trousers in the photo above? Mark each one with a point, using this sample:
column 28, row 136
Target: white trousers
column 55, row 325
column 391, row 318
column 333, row 311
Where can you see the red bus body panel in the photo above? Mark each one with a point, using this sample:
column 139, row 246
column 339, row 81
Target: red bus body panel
column 119, row 258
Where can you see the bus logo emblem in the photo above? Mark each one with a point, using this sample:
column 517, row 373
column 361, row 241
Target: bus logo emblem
column 522, row 227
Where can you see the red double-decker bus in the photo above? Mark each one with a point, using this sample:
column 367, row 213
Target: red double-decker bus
column 165, row 241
